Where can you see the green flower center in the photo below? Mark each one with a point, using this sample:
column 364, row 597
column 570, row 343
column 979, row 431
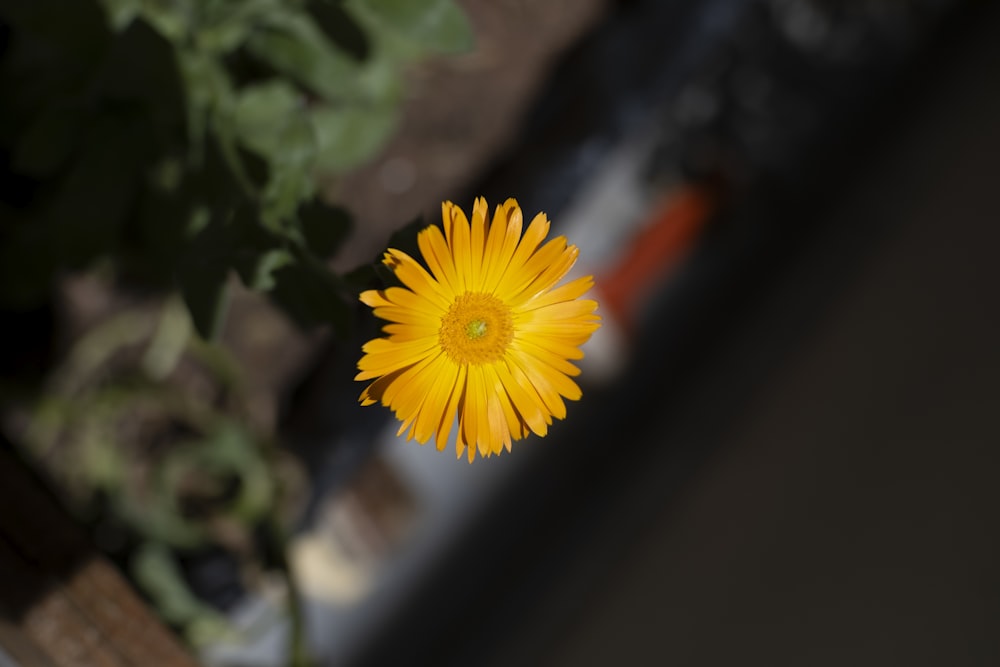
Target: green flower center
column 475, row 329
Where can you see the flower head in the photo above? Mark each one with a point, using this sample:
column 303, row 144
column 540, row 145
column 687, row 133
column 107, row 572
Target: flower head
column 485, row 334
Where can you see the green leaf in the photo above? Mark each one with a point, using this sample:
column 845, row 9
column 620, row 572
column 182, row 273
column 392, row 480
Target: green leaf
column 228, row 451
column 84, row 218
column 204, row 292
column 358, row 117
column 160, row 237
column 210, row 99
column 158, row 518
column 253, row 251
column 101, row 461
column 288, row 188
column 158, row 574
column 348, row 137
column 202, row 275
column 171, row 20
column 435, row 25
column 257, row 270
column 231, row 449
column 224, row 26
column 311, row 295
column 76, row 31
column 297, row 47
column 48, row 141
column 341, row 28
column 121, row 12
column 270, row 120
column 324, row 227
column 155, row 88
column 261, row 113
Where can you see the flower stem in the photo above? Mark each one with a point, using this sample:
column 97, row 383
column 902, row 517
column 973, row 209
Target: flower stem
column 298, row 654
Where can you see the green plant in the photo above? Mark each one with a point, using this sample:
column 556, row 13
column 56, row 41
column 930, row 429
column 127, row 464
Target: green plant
column 175, row 143
column 184, row 139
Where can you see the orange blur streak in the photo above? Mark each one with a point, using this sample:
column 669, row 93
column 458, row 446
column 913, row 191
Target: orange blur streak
column 675, row 223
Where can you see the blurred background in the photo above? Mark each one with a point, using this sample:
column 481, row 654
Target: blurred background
column 786, row 450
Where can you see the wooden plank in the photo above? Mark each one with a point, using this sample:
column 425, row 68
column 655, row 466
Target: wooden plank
column 61, row 603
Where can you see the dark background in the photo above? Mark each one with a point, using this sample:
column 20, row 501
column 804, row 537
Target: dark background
column 799, row 467
column 797, row 464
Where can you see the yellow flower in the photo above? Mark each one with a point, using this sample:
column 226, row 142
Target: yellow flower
column 485, row 335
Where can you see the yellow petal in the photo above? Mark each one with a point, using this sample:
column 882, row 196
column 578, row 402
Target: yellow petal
column 565, row 348
column 515, row 281
column 456, row 231
column 404, row 298
column 476, row 424
column 434, row 248
column 375, row 392
column 516, row 427
column 432, row 411
column 374, row 298
column 564, row 312
column 493, row 426
column 532, row 238
column 403, row 333
column 571, row 290
column 549, row 272
column 416, row 277
column 499, row 436
column 506, row 225
column 571, row 333
column 557, row 361
column 540, row 272
column 452, row 215
column 383, row 356
column 525, row 399
column 543, row 385
column 406, row 394
column 560, row 382
column 407, row 316
column 477, row 242
column 448, row 416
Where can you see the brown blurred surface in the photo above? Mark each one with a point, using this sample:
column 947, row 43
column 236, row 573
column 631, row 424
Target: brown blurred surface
column 61, row 604
column 460, row 115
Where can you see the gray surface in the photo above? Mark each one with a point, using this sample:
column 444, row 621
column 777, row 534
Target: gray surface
column 850, row 515
column 6, row 660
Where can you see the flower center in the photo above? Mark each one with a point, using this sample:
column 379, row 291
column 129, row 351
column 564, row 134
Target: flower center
column 476, row 329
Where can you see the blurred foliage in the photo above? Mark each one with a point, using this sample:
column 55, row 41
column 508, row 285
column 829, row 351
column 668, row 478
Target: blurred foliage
column 184, row 139
column 146, row 429
column 175, row 144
